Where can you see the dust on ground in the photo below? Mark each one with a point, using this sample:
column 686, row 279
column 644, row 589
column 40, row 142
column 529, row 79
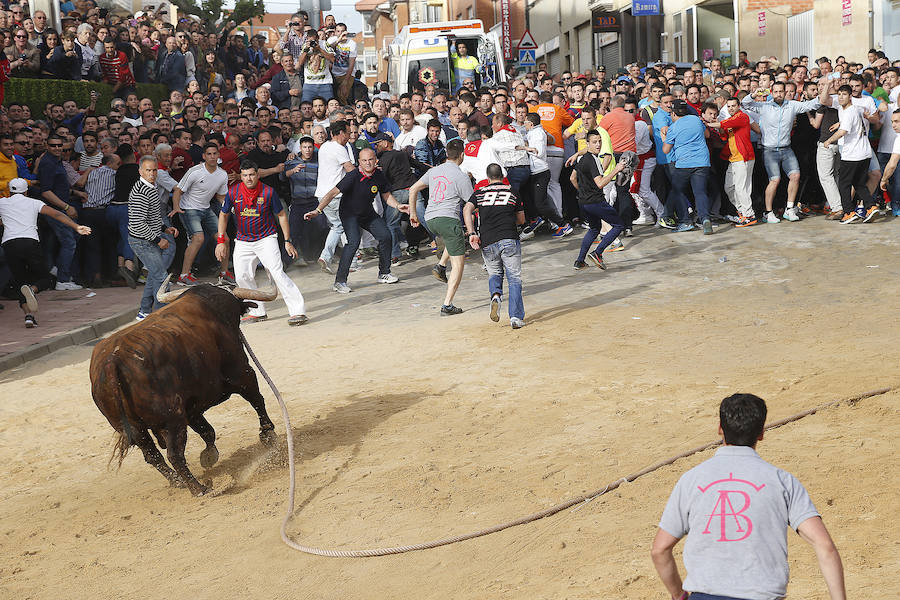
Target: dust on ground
column 411, row 427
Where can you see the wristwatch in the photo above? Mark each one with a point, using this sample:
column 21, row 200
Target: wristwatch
column 289, row 241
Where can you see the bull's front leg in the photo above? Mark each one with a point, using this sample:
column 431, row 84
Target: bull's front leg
column 176, row 440
column 249, row 389
column 210, row 454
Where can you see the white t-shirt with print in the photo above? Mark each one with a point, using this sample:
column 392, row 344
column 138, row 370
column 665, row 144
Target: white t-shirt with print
column 343, row 54
column 332, row 156
column 856, row 143
column 323, row 74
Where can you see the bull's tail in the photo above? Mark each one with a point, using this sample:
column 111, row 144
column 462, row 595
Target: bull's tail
column 125, row 438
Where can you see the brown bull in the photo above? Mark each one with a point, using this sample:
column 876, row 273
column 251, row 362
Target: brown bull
column 160, row 375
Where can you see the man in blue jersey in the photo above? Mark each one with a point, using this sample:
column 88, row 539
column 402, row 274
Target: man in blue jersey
column 256, row 207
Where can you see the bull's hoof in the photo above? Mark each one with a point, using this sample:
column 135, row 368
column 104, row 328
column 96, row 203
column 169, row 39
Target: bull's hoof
column 200, row 490
column 209, row 457
column 268, row 437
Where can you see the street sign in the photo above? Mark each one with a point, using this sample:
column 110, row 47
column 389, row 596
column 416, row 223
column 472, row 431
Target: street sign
column 527, row 42
column 645, row 8
column 606, row 21
column 526, row 58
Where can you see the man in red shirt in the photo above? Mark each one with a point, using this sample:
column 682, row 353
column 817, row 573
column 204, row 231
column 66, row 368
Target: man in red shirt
column 620, row 127
column 738, row 151
column 181, row 156
column 114, row 66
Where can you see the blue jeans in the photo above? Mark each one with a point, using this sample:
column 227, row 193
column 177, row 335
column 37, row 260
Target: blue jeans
column 595, row 214
column 502, row 257
column 157, row 262
column 312, row 90
column 66, row 256
column 203, row 221
column 117, row 216
column 421, row 206
column 676, row 201
column 353, row 225
column 696, row 177
column 893, row 184
column 392, row 218
column 776, row 158
column 517, row 177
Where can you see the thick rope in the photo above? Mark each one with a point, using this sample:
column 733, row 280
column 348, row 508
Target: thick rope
column 520, row 521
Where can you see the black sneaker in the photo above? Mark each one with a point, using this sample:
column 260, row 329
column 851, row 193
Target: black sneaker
column 31, row 322
column 450, row 310
column 128, row 276
column 579, row 265
column 439, row 272
column 597, row 260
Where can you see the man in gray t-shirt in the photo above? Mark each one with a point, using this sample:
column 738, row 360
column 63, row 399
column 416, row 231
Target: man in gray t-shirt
column 448, row 188
column 735, row 509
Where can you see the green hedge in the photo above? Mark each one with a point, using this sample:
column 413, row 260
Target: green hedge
column 37, row 92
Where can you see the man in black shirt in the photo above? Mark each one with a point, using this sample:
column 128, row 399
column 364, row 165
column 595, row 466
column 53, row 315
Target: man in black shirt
column 359, row 188
column 588, row 179
column 827, row 159
column 397, row 166
column 499, row 212
column 126, row 176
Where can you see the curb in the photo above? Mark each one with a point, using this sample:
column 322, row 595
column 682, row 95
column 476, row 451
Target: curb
column 81, row 335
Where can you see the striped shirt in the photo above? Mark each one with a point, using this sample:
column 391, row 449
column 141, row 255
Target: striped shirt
column 100, row 187
column 254, row 218
column 144, row 213
column 87, row 161
column 115, row 68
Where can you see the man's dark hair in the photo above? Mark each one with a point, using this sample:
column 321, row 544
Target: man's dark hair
column 368, row 116
column 434, row 123
column 89, row 134
column 455, row 149
column 468, row 98
column 742, row 418
column 197, row 133
column 846, row 88
column 339, row 127
column 124, row 151
column 680, row 108
column 248, row 164
column 534, row 118
column 494, row 172
column 209, row 145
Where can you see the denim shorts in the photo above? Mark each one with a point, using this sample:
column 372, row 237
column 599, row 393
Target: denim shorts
column 200, row 221
column 776, row 158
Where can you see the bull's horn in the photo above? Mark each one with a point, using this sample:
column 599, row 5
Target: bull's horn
column 165, row 297
column 264, row 295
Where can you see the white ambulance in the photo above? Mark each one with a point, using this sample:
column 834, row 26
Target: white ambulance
column 425, row 53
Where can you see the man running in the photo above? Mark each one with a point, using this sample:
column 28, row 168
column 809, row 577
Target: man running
column 256, row 206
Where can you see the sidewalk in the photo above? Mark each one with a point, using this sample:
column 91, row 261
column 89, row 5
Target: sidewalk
column 64, row 319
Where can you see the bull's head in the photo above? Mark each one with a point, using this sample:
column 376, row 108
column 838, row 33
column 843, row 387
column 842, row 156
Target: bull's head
column 264, row 295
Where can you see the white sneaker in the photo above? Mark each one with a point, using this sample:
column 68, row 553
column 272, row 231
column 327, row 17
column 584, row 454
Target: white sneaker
column 53, row 270
column 516, row 323
column 30, row 299
column 62, row 286
column 644, row 220
column 771, row 218
column 388, row 278
column 342, row 288
column 790, row 214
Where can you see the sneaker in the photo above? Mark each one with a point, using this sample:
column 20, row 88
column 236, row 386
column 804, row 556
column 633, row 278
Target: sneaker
column 516, row 323
column 64, row 286
column 128, row 275
column 341, row 288
column 849, row 217
column 535, row 224
column 561, row 232
column 325, row 267
column 253, row 318
column 585, row 225
column 227, row 278
column 30, row 299
column 860, row 212
column 411, row 251
column 682, row 227
column 707, row 227
column 835, row 215
column 439, row 272
column 141, row 316
column 30, row 322
column 188, row 280
column 771, row 218
column 526, row 235
column 449, row 309
column 616, row 246
column 388, row 278
column 733, row 219
column 871, row 214
column 579, row 265
column 628, row 233
column 597, row 260
column 746, row 222
column 433, row 248
column 667, row 223
column 790, row 214
column 495, row 308
column 298, row 320
column 644, row 220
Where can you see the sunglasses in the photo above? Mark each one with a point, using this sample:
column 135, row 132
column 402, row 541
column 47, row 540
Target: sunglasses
column 55, row 145
column 20, row 36
column 218, row 120
column 296, row 24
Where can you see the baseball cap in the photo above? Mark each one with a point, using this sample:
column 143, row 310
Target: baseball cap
column 18, row 186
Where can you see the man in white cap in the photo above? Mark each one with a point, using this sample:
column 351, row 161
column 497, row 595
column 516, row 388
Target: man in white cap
column 22, row 247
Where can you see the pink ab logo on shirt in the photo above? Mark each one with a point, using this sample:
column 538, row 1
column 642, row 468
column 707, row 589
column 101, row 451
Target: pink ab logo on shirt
column 731, row 520
column 440, row 185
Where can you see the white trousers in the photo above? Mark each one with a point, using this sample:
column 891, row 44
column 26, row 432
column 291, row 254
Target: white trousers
column 739, row 186
column 266, row 252
column 554, row 190
column 646, row 198
column 827, row 160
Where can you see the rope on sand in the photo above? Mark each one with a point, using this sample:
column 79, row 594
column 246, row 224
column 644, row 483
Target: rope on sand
column 585, row 498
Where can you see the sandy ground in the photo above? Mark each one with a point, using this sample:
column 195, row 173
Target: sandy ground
column 411, row 427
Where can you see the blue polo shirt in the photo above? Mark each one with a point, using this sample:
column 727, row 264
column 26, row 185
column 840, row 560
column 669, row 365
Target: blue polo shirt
column 688, row 139
column 53, row 178
column 389, row 125
column 660, row 119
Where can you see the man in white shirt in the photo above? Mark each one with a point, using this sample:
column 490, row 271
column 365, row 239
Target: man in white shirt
column 191, row 199
column 643, row 194
column 856, row 153
column 334, row 162
column 411, row 133
column 536, row 140
column 24, row 256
